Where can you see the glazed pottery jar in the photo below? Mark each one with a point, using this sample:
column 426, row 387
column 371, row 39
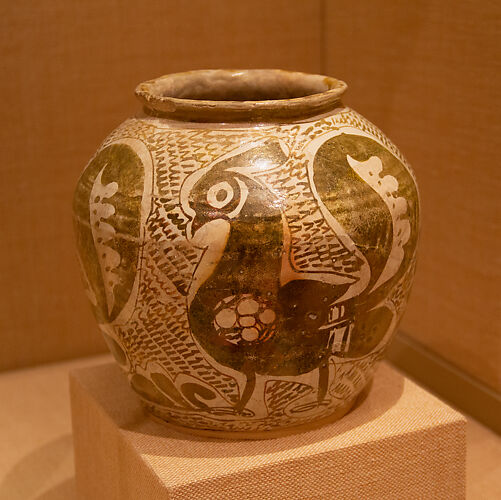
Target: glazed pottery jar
column 248, row 246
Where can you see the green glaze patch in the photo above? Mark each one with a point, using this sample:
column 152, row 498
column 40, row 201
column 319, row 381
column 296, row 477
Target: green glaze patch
column 107, row 209
column 363, row 211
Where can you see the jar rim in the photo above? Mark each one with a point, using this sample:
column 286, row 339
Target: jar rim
column 229, row 95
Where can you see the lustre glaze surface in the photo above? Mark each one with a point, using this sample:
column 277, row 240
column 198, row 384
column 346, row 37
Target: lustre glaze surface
column 247, row 275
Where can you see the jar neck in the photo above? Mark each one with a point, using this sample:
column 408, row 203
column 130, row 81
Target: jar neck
column 240, row 96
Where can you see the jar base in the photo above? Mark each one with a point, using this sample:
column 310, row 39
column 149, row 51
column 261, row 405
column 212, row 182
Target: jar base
column 260, row 435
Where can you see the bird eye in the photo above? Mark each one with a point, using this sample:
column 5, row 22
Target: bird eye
column 219, row 195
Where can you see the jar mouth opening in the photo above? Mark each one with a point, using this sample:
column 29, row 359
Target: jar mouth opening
column 239, row 95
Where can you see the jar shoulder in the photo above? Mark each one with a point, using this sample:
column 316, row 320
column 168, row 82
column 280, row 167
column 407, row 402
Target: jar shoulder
column 182, row 137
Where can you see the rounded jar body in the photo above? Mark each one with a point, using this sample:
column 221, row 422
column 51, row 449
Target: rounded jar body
column 247, row 270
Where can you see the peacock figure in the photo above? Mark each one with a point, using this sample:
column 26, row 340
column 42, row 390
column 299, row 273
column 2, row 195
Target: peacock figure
column 248, row 308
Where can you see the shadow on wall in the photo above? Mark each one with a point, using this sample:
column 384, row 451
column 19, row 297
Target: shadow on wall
column 45, row 474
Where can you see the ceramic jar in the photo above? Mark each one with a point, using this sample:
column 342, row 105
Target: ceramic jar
column 248, row 244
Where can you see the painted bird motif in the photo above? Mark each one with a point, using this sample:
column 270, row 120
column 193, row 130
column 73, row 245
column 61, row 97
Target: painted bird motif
column 248, row 309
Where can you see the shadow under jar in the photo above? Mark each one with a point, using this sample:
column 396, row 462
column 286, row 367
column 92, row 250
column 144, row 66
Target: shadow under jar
column 248, row 245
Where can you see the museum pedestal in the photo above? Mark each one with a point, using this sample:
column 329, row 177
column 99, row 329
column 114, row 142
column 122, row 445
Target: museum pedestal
column 399, row 442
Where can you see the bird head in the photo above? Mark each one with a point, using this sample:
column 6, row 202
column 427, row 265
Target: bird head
column 230, row 189
column 231, row 194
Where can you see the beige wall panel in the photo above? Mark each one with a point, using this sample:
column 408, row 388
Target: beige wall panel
column 428, row 73
column 68, row 73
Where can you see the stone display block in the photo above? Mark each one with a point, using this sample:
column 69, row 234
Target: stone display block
column 398, row 442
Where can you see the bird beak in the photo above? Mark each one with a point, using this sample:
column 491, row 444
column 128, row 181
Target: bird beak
column 211, row 237
column 193, row 226
column 203, row 234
